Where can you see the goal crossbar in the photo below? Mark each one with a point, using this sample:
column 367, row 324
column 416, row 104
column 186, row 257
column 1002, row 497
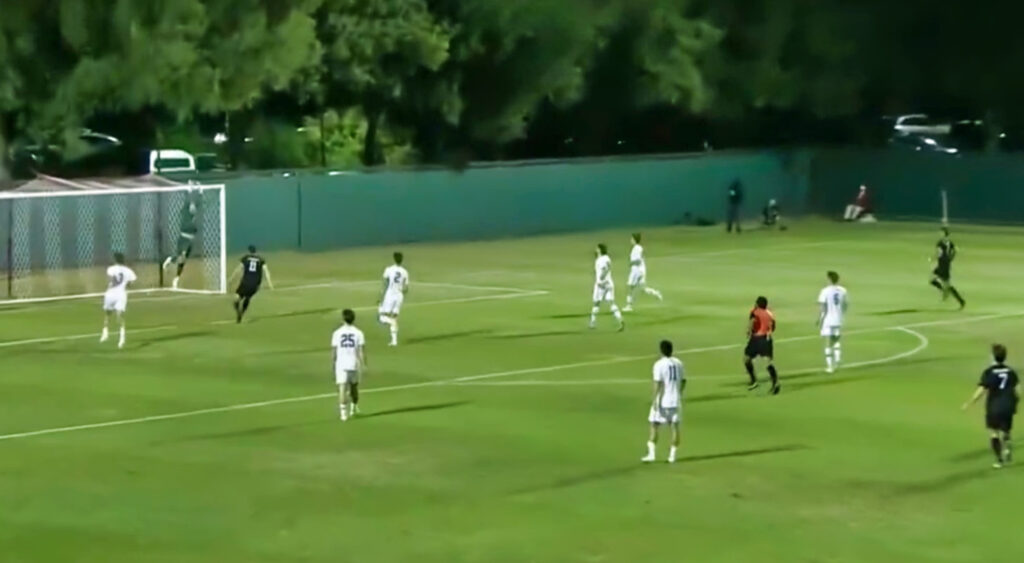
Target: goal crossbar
column 58, row 244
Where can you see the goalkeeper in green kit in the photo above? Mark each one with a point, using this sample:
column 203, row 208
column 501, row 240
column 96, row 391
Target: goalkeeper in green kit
column 186, row 235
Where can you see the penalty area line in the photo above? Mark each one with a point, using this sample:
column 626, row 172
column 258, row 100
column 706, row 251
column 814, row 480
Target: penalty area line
column 923, row 343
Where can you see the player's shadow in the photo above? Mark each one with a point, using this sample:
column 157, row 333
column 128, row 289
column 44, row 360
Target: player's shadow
column 943, row 482
column 973, row 455
column 414, row 409
column 446, row 336
column 524, row 335
column 893, row 312
column 613, row 472
column 243, row 433
column 716, row 397
column 172, row 337
column 289, row 314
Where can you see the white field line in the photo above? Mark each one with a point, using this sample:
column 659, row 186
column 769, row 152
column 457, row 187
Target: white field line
column 922, row 343
column 498, row 297
column 94, row 334
column 435, row 383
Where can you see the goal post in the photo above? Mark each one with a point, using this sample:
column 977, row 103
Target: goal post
column 59, row 244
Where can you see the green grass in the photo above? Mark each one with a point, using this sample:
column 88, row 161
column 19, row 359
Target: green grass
column 876, row 463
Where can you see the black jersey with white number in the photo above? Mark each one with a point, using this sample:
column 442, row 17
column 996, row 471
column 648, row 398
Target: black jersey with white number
column 252, row 269
column 1001, row 383
column 945, row 251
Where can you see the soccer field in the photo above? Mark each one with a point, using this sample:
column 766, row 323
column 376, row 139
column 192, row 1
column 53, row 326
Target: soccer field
column 503, row 430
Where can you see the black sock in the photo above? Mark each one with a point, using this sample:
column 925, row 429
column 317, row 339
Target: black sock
column 245, row 304
column 937, row 285
column 181, row 267
column 997, row 447
column 956, row 295
column 354, row 393
column 774, row 374
column 750, row 371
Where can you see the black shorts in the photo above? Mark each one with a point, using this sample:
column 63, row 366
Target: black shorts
column 942, row 272
column 760, row 346
column 999, row 420
column 247, row 289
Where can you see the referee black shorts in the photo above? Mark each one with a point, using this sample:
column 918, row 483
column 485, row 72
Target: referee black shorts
column 760, row 346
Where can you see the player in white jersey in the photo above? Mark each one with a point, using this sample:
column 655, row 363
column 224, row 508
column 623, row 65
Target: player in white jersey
column 392, row 294
column 349, row 344
column 638, row 273
column 669, row 382
column 604, row 287
column 833, row 304
column 115, row 300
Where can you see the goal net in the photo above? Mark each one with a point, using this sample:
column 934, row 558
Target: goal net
column 59, row 244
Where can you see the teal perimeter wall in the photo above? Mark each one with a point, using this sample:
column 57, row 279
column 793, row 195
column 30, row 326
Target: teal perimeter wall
column 981, row 188
column 320, row 212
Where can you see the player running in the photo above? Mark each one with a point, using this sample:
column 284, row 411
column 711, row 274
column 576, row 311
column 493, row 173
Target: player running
column 759, row 344
column 669, row 382
column 1001, row 386
column 396, row 285
column 186, row 235
column 604, row 287
column 833, row 304
column 945, row 252
column 115, row 300
column 638, row 273
column 253, row 268
column 349, row 361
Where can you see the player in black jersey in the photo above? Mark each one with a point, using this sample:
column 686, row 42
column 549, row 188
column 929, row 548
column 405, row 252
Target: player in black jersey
column 945, row 252
column 253, row 268
column 1001, row 386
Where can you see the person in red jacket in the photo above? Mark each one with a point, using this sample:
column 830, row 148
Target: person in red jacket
column 860, row 207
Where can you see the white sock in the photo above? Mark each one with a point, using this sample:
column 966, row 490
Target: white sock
column 653, row 292
column 593, row 315
column 837, row 352
column 650, row 449
column 629, row 299
column 672, row 454
column 828, row 357
column 105, row 334
column 122, row 335
column 394, row 332
column 617, row 312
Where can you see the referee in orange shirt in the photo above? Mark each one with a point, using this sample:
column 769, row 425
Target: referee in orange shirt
column 759, row 344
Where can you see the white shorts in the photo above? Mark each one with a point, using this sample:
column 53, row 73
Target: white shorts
column 343, row 376
column 604, row 293
column 115, row 302
column 830, row 330
column 392, row 304
column 637, row 277
column 662, row 415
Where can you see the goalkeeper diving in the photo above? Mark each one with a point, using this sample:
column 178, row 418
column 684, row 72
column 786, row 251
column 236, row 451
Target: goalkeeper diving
column 188, row 229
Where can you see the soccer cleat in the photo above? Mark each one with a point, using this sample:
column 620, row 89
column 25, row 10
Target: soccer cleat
column 997, row 465
column 776, row 389
column 671, row 459
column 120, row 344
column 1007, row 455
column 392, row 344
column 829, row 370
column 627, row 309
column 647, row 458
column 753, row 386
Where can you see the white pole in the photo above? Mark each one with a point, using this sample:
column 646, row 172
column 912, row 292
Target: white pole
column 223, row 240
column 945, row 209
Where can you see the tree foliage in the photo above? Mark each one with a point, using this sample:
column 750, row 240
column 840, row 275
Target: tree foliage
column 480, row 73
